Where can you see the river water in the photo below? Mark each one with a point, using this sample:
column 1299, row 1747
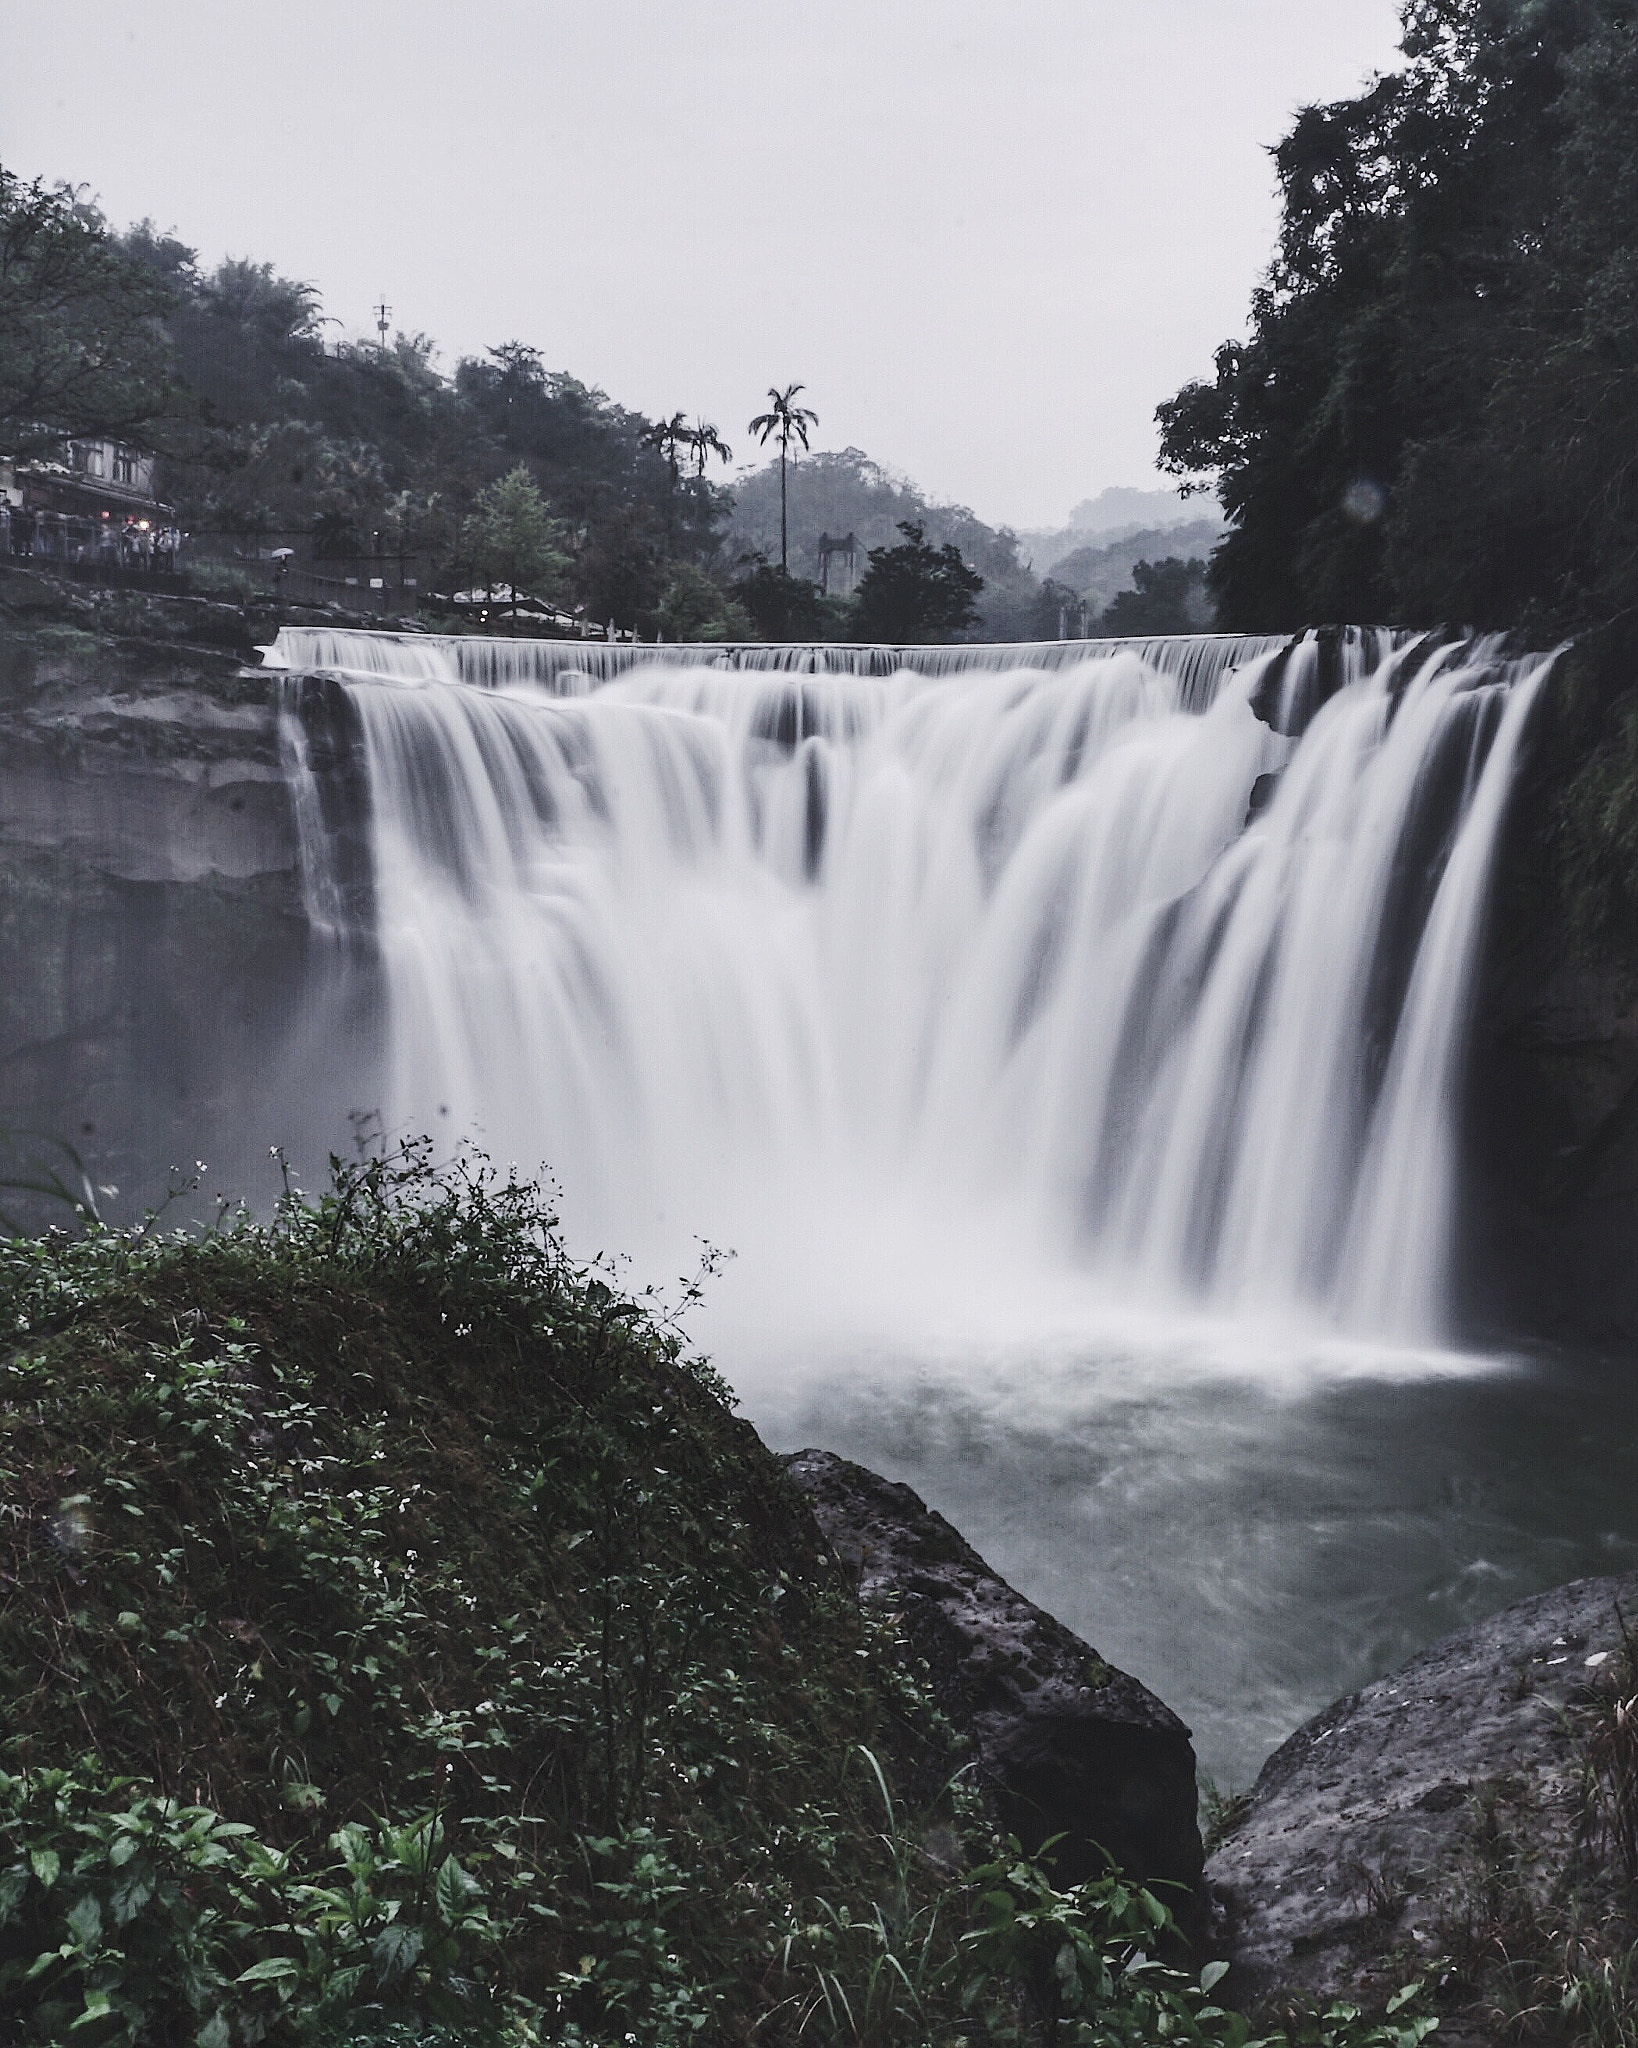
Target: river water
column 1257, row 1536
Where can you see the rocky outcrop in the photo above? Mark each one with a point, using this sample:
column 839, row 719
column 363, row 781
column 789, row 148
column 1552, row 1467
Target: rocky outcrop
column 1066, row 1745
column 1380, row 1829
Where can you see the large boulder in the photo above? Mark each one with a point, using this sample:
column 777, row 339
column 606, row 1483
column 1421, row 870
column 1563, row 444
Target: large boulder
column 1453, row 1788
column 1065, row 1744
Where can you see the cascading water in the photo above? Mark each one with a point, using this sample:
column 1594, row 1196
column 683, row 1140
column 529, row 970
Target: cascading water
column 1150, row 959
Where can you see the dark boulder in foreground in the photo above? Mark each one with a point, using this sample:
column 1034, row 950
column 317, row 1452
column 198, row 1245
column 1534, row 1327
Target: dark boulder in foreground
column 1066, row 1744
column 1431, row 1811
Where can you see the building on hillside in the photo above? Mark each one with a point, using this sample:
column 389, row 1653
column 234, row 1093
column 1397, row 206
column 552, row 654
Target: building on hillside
column 91, row 502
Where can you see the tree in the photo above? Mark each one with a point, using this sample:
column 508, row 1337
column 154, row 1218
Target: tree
column 1433, row 415
column 82, row 348
column 785, row 422
column 785, row 607
column 513, row 539
column 915, row 591
column 665, row 437
column 618, row 574
column 1168, row 597
column 696, row 608
column 705, row 441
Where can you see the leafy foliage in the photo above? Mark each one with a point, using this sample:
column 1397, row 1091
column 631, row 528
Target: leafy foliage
column 133, row 1917
column 1167, row 597
column 46, row 1172
column 916, row 591
column 1432, row 417
column 786, row 607
column 695, row 607
column 81, row 348
column 382, row 1516
column 511, row 539
column 1092, row 1966
column 274, row 428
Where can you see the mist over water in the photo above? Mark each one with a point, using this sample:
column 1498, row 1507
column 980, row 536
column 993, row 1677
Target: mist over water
column 1066, row 1040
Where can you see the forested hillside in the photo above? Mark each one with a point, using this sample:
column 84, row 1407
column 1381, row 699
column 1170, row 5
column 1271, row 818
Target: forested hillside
column 271, row 427
column 845, row 492
column 494, row 470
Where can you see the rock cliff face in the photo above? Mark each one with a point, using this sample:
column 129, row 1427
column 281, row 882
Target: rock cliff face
column 1377, row 1835
column 159, row 990
column 1550, row 1213
column 1066, row 1744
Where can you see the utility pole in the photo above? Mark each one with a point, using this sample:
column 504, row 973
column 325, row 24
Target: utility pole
column 382, row 314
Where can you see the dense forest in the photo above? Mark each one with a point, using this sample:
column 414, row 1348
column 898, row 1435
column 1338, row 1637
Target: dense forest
column 1435, row 414
column 501, row 472
column 270, row 427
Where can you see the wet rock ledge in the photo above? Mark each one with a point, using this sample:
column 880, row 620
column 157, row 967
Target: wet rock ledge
column 1066, row 1745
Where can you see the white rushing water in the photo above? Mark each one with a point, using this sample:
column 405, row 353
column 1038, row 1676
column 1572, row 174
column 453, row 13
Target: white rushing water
column 1144, row 966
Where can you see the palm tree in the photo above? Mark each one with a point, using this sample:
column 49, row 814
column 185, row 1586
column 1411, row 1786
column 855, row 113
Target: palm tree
column 788, row 422
column 705, row 441
column 665, row 437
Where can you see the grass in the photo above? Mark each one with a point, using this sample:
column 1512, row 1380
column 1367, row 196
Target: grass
column 1612, row 1755
column 1221, row 1812
column 44, row 1174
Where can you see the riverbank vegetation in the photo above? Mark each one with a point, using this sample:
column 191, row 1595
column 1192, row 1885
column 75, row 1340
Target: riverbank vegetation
column 401, row 1640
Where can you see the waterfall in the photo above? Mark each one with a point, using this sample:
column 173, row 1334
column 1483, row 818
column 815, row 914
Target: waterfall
column 1156, row 956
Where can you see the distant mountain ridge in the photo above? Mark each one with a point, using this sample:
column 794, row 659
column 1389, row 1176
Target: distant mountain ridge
column 1121, row 513
column 843, row 491
column 1120, row 505
column 1098, row 569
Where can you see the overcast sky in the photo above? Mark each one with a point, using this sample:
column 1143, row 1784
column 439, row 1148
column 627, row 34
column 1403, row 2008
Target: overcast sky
column 988, row 235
